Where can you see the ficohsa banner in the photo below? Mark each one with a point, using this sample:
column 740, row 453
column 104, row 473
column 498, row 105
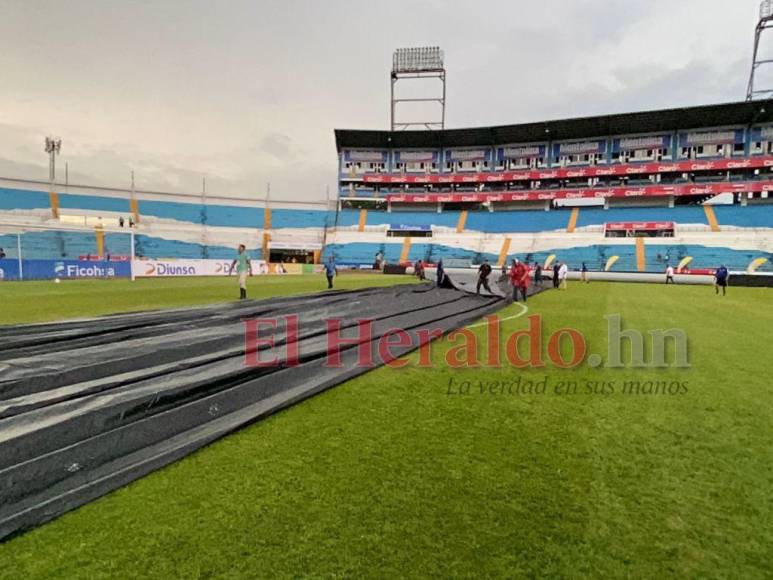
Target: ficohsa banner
column 62, row 269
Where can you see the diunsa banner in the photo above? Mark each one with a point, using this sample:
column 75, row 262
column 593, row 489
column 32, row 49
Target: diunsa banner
column 183, row 268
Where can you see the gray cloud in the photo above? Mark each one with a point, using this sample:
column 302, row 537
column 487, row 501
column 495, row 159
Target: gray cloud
column 249, row 92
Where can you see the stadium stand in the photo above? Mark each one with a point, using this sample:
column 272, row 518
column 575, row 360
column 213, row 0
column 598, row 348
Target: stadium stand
column 674, row 184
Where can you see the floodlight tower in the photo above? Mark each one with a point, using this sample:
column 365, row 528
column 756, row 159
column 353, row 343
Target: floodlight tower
column 418, row 63
column 764, row 23
column 53, row 146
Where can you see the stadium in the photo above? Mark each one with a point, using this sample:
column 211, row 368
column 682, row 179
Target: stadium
column 401, row 393
column 654, row 179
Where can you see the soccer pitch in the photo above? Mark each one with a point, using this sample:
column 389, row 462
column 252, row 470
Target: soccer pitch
column 404, row 472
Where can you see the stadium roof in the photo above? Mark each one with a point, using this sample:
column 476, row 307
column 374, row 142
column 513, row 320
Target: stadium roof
column 727, row 114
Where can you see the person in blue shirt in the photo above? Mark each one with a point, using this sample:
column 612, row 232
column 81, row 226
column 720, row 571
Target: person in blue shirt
column 720, row 279
column 330, row 272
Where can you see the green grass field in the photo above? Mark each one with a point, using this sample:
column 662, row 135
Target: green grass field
column 391, row 475
column 43, row 301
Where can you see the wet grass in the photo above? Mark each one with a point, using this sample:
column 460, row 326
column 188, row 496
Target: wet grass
column 450, row 472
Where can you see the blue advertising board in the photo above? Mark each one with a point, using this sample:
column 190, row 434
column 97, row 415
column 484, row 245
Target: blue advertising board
column 595, row 146
column 641, row 142
column 64, row 269
column 711, row 137
column 410, row 228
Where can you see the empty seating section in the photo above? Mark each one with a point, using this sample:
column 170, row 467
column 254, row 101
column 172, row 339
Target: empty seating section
column 595, row 256
column 518, row 221
column 349, row 217
column 49, row 245
column 445, row 219
column 365, row 253
column 481, row 221
column 158, row 239
column 681, row 215
column 212, row 215
column 299, row 218
column 93, row 203
column 153, row 247
column 753, row 216
column 11, row 199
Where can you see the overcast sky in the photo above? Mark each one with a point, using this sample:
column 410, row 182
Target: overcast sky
column 249, row 91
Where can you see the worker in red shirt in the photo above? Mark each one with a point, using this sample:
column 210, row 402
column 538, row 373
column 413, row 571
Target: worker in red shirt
column 519, row 278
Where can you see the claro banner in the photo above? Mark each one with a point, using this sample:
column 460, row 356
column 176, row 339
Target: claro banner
column 181, row 268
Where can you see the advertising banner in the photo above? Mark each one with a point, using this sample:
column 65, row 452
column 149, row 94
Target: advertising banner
column 182, row 268
column 367, row 156
column 580, row 193
column 520, row 151
column 649, row 226
column 185, row 268
column 410, row 228
column 646, row 142
column 563, row 173
column 580, row 147
column 467, row 154
column 697, row 138
column 11, row 269
column 416, row 156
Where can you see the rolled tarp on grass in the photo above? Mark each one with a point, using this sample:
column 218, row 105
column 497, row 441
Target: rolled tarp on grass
column 87, row 406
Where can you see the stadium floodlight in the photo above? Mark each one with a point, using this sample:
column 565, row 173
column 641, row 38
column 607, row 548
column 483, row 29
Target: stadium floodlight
column 53, row 147
column 418, row 63
column 424, row 59
column 764, row 23
column 766, row 9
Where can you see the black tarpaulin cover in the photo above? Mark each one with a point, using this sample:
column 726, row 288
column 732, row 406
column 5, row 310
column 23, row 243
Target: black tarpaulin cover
column 87, row 406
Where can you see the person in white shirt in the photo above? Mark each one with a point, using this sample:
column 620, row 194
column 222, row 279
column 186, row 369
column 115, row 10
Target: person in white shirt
column 563, row 270
column 670, row 274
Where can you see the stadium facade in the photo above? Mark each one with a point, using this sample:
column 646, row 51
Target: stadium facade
column 632, row 192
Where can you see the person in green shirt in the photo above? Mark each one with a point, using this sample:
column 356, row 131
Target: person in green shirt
column 243, row 267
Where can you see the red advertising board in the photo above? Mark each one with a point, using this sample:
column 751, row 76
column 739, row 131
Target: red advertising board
column 599, row 193
column 569, row 173
column 645, row 226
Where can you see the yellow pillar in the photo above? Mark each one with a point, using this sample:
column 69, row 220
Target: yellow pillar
column 54, row 197
column 503, row 252
column 573, row 220
column 134, row 206
column 266, row 240
column 267, row 218
column 406, row 250
column 363, row 220
column 641, row 260
column 100, row 241
column 462, row 221
column 712, row 218
column 317, row 256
